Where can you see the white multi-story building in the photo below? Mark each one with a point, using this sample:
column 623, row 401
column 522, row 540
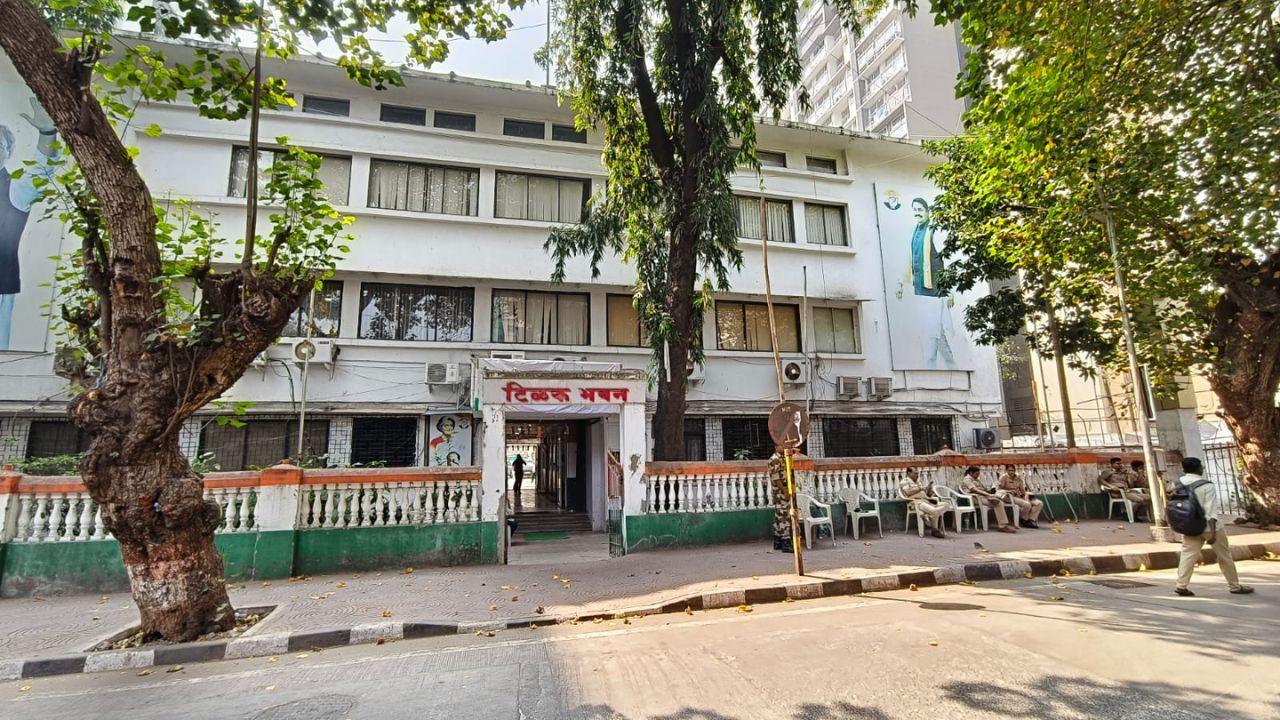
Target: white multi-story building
column 455, row 184
column 897, row 79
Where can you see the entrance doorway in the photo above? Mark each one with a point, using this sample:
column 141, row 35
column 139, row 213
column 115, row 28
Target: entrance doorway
column 553, row 506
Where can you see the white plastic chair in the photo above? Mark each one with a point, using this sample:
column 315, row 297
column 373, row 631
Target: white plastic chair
column 911, row 510
column 1119, row 497
column 805, row 505
column 961, row 504
column 853, row 498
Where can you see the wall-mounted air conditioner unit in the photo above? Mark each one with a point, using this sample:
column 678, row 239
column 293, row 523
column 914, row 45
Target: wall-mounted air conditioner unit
column 317, row 351
column 695, row 372
column 569, row 358
column 848, row 387
column 795, row 372
column 879, row 388
column 507, row 354
column 444, row 373
column 986, row 438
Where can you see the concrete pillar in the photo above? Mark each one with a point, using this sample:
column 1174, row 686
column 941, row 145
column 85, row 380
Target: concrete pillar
column 633, row 457
column 279, row 491
column 1176, row 424
column 8, row 504
column 493, row 461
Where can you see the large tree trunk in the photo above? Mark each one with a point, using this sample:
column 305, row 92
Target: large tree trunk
column 1245, row 378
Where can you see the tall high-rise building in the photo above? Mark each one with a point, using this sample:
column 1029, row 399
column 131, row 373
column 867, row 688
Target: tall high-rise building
column 897, row 79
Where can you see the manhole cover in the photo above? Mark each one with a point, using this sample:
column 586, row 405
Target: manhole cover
column 324, row 707
column 1118, row 584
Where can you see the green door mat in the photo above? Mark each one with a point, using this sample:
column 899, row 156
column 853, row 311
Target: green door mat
column 553, row 535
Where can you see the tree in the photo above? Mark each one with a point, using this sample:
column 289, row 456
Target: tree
column 676, row 86
column 144, row 354
column 1165, row 115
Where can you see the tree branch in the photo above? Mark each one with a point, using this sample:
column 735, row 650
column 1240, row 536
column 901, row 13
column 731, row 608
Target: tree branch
column 626, row 26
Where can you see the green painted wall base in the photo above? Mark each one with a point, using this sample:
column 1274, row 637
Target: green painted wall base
column 648, row 532
column 94, row 567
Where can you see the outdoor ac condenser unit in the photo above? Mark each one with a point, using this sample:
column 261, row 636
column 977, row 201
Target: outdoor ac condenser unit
column 317, row 351
column 795, row 372
column 986, row 438
column 848, row 387
column 695, row 372
column 444, row 373
column 879, row 388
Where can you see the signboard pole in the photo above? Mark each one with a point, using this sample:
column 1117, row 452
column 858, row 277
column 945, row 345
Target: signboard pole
column 797, row 550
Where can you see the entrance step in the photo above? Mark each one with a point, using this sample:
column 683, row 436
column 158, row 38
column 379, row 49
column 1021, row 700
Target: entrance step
column 552, row 522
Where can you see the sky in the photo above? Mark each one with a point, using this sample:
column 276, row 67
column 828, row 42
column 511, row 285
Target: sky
column 510, row 59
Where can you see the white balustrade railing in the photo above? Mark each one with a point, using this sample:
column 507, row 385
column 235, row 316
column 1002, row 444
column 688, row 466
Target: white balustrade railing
column 878, row 483
column 393, row 504
column 676, row 493
column 75, row 517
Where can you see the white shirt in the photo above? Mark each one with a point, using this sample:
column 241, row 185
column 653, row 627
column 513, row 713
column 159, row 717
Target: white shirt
column 1207, row 494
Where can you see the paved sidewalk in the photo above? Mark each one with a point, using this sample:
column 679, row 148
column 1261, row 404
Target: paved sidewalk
column 570, row 577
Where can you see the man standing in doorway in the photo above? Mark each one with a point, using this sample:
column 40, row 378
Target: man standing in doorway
column 517, row 467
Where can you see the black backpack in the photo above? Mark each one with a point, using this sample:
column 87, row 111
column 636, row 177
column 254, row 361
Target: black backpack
column 1183, row 510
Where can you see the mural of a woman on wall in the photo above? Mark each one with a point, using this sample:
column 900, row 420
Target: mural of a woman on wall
column 17, row 195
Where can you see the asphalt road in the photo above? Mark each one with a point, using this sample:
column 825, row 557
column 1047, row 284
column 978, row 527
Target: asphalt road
column 1023, row 649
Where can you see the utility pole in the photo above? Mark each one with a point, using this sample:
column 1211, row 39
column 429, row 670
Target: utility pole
column 1144, row 431
column 797, row 549
column 1060, row 366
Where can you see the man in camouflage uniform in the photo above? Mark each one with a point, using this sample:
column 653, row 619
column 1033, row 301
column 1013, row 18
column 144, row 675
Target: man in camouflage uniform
column 781, row 503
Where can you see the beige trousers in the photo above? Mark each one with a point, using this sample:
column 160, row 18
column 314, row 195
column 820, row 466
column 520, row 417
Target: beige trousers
column 1191, row 545
column 996, row 505
column 931, row 510
column 1028, row 509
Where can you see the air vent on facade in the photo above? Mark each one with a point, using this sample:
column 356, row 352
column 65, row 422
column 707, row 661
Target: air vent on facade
column 879, row 388
column 848, row 387
column 795, row 372
column 319, row 351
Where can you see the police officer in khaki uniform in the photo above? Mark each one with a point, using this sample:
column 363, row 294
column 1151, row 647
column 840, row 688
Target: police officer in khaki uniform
column 927, row 503
column 1015, row 488
column 1118, row 478
column 971, row 485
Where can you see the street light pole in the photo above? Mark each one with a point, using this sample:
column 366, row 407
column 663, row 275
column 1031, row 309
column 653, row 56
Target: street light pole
column 1148, row 455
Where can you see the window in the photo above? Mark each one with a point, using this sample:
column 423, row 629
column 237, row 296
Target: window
column 860, row 437
column 745, row 326
column 568, row 133
column 524, row 129
column 623, row 321
column 928, row 435
column 778, row 213
column 334, row 173
column 327, row 305
column 325, row 106
column 695, row 439
column 403, row 114
column 821, row 164
column 50, row 438
column 836, row 330
column 541, row 318
column 540, row 197
column 384, row 441
column 416, row 312
column 747, row 438
column 424, row 188
column 263, row 443
column 455, row 121
column 771, row 158
column 824, row 224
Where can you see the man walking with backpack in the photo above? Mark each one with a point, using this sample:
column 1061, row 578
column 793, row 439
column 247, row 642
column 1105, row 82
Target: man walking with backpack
column 1193, row 511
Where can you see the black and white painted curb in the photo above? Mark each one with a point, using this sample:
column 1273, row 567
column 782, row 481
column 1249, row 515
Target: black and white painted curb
column 250, row 645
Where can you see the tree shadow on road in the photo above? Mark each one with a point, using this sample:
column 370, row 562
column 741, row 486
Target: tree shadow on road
column 1056, row 696
column 806, row 711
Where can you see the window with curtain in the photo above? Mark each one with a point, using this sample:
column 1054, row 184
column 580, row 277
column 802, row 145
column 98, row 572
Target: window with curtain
column 521, row 196
column 745, row 326
column 623, row 322
column 424, row 188
column 541, row 318
column 334, row 173
column 416, row 312
column 835, row 330
column 695, row 439
column 324, row 309
column 824, row 224
column 777, row 213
